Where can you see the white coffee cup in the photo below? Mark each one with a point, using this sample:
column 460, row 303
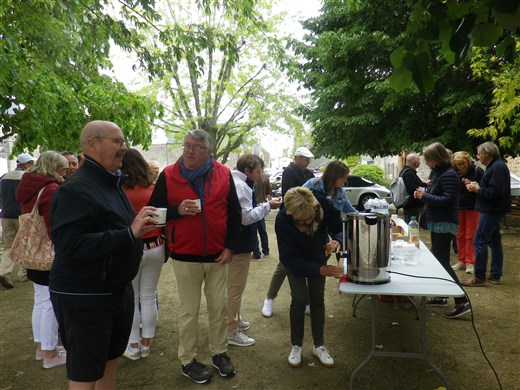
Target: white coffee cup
column 197, row 203
column 161, row 216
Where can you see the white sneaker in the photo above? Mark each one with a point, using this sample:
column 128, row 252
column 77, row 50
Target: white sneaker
column 308, row 310
column 267, row 310
column 323, row 355
column 145, row 351
column 240, row 339
column 458, row 266
column 295, row 358
column 243, row 325
column 132, row 353
column 470, row 269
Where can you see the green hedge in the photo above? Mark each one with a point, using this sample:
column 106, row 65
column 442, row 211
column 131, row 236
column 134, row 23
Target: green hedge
column 371, row 172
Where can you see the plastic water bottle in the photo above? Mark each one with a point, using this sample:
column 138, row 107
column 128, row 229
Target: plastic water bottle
column 413, row 232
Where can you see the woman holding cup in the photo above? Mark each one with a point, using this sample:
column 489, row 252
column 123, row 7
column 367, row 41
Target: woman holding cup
column 442, row 202
column 138, row 188
column 469, row 174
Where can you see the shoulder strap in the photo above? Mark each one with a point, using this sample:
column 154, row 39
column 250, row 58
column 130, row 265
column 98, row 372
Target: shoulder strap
column 35, row 207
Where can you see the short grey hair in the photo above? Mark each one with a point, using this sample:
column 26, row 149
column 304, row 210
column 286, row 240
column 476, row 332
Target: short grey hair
column 412, row 158
column 489, row 149
column 201, row 135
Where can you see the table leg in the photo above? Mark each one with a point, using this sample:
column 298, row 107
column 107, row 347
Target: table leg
column 423, row 344
column 411, row 355
column 373, row 341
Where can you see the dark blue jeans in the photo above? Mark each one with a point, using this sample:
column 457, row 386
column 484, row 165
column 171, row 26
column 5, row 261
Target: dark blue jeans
column 488, row 235
column 264, row 239
column 441, row 247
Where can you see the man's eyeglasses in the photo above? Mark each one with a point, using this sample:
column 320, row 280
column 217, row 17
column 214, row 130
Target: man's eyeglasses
column 195, row 148
column 117, row 141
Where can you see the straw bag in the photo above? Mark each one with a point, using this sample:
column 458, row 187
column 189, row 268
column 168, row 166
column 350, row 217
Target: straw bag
column 32, row 247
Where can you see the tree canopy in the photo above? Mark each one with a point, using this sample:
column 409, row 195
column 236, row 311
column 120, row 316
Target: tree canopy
column 224, row 75
column 346, row 62
column 449, row 30
column 51, row 84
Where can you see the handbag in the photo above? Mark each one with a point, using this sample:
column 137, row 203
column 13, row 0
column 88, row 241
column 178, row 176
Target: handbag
column 32, row 247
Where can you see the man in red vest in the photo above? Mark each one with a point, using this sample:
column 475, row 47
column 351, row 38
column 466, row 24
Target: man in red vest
column 203, row 221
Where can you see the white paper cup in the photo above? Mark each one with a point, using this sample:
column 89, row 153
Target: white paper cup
column 161, row 216
column 197, row 203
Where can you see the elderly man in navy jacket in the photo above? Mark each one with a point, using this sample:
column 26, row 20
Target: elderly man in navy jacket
column 493, row 202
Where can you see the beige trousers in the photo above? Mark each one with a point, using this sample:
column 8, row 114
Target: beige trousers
column 190, row 279
column 10, row 227
column 238, row 271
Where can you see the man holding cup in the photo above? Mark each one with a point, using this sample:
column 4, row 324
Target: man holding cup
column 98, row 248
column 203, row 220
column 493, row 202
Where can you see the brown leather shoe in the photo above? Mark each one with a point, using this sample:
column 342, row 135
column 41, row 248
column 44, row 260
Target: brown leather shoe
column 492, row 279
column 473, row 282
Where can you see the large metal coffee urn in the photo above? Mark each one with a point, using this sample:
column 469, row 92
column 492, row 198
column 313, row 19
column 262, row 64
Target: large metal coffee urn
column 369, row 257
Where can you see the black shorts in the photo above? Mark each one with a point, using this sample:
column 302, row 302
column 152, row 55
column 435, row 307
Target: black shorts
column 94, row 329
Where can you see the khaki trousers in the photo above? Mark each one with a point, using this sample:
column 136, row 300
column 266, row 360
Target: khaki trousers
column 238, row 271
column 10, row 227
column 190, row 279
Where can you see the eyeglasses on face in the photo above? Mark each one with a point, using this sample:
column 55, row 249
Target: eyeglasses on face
column 119, row 142
column 196, row 148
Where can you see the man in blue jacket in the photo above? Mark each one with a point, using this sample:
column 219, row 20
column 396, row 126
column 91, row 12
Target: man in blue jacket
column 493, row 202
column 98, row 246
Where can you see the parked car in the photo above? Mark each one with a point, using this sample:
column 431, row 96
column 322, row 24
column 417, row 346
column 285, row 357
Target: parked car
column 276, row 184
column 515, row 185
column 359, row 190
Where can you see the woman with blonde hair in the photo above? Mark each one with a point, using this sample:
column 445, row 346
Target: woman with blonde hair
column 44, row 176
column 468, row 217
column 302, row 229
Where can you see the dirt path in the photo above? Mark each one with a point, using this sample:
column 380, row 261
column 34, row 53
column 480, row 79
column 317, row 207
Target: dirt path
column 451, row 344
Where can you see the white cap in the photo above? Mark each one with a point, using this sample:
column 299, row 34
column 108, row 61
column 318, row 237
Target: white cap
column 303, row 151
column 24, row 158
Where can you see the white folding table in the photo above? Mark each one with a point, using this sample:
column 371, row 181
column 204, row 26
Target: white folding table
column 430, row 284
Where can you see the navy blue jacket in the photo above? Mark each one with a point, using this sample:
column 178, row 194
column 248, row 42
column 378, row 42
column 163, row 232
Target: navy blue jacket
column 301, row 253
column 442, row 195
column 96, row 253
column 9, row 205
column 411, row 182
column 294, row 176
column 468, row 199
column 494, row 196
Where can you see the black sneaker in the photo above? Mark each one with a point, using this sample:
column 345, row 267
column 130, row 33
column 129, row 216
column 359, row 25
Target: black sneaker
column 436, row 301
column 196, row 372
column 223, row 364
column 458, row 311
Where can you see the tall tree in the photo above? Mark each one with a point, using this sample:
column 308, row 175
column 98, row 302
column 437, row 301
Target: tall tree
column 218, row 71
column 51, row 84
column 484, row 31
column 346, row 64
